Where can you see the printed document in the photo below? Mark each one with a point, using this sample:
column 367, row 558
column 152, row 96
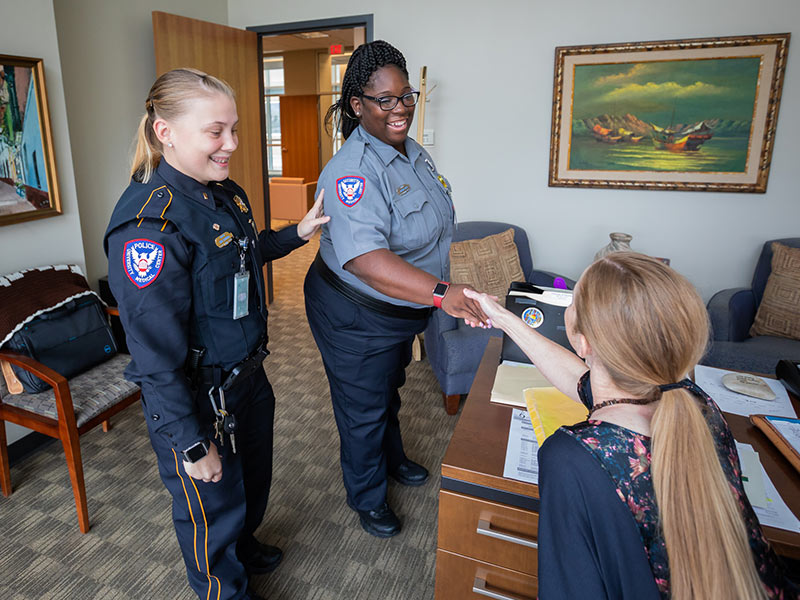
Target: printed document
column 775, row 513
column 522, row 452
column 710, row 379
column 789, row 429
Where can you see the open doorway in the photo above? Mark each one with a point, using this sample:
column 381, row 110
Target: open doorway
column 303, row 65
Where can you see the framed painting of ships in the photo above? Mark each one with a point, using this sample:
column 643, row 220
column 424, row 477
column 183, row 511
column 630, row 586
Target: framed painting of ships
column 28, row 186
column 696, row 114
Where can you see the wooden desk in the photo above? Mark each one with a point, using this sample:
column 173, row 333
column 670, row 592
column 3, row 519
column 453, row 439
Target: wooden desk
column 474, row 495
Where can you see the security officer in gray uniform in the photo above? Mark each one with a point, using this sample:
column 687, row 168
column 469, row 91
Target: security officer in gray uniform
column 381, row 267
column 185, row 266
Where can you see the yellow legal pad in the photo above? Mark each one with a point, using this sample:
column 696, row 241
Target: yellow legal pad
column 550, row 409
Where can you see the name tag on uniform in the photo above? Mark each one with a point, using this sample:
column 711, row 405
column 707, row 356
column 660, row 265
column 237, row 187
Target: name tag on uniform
column 241, row 290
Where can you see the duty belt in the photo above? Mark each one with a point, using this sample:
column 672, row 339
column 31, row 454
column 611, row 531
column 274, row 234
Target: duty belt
column 386, row 309
column 225, row 379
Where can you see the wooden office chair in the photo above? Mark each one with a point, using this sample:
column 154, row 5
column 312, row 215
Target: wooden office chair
column 70, row 409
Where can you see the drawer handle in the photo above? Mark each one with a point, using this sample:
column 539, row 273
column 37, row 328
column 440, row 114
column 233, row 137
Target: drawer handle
column 479, row 587
column 485, row 528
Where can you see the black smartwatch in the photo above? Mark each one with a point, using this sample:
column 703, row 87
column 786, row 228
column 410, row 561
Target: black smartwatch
column 439, row 292
column 195, row 452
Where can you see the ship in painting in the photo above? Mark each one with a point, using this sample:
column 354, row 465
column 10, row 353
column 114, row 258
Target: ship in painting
column 614, row 136
column 684, row 139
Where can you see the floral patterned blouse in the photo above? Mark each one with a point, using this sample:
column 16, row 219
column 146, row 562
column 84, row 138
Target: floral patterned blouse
column 624, row 456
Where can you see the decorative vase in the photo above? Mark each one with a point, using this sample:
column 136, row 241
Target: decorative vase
column 619, row 242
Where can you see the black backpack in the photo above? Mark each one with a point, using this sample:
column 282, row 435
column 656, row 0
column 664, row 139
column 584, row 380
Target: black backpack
column 69, row 339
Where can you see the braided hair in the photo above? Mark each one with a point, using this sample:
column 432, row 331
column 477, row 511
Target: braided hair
column 365, row 60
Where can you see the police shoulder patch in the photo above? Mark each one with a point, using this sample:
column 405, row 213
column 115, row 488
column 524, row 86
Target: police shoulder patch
column 350, row 189
column 143, row 260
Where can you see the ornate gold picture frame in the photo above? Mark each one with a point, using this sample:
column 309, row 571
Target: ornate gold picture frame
column 695, row 114
column 28, row 181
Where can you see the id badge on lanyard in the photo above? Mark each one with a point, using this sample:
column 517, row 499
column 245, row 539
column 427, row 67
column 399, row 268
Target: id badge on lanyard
column 241, row 284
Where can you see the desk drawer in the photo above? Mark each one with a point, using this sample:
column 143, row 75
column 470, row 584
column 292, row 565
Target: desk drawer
column 462, row 578
column 488, row 531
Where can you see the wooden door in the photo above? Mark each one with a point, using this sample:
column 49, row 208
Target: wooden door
column 233, row 55
column 300, row 136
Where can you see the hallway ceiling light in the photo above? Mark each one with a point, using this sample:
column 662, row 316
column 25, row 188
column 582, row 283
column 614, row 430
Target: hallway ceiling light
column 311, row 35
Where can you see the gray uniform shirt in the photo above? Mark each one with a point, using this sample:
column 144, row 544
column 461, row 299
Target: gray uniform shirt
column 378, row 198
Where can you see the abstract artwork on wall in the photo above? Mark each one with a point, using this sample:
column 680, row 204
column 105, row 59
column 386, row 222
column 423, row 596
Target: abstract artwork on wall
column 695, row 114
column 28, row 186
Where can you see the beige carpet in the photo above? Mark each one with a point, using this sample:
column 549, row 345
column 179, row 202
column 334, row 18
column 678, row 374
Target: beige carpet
column 131, row 551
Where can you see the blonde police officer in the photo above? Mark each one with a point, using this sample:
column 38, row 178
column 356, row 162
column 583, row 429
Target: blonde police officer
column 382, row 267
column 181, row 240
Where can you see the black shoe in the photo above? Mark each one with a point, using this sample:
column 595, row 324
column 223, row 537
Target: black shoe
column 265, row 559
column 410, row 473
column 381, row 522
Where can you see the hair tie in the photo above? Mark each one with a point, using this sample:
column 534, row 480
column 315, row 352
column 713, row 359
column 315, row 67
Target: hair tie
column 148, row 104
column 683, row 383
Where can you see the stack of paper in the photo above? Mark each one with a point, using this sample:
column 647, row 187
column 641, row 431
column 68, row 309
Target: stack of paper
column 767, row 503
column 550, row 409
column 512, row 380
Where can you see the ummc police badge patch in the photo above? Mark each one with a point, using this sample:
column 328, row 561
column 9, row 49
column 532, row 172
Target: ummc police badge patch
column 350, row 189
column 143, row 261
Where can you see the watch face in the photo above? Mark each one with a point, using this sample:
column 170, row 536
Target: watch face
column 440, row 289
column 196, row 452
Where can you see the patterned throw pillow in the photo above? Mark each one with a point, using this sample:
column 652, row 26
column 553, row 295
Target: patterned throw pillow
column 779, row 311
column 488, row 264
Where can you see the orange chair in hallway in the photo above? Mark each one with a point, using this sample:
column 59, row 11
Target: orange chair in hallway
column 290, row 198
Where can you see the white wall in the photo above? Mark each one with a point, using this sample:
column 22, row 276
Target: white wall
column 29, row 29
column 495, row 150
column 109, row 67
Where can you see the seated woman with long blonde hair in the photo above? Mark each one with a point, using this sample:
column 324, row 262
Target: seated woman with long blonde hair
column 645, row 499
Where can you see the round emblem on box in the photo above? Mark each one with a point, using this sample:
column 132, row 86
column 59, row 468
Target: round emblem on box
column 533, row 317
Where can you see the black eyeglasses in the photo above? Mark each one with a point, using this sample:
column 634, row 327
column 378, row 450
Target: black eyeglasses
column 389, row 102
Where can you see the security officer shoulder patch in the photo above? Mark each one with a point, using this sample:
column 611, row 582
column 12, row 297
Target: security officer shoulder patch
column 143, row 261
column 350, row 189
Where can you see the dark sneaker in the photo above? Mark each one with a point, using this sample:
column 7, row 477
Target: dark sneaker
column 380, row 522
column 410, row 473
column 264, row 560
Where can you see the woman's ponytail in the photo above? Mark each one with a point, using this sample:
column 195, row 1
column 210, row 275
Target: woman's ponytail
column 148, row 151
column 706, row 539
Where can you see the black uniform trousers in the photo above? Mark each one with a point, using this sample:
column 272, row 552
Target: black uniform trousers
column 365, row 355
column 215, row 522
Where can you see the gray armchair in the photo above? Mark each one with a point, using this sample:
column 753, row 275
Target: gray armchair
column 733, row 311
column 455, row 349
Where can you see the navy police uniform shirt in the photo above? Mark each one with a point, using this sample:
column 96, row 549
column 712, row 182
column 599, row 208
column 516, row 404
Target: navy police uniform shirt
column 173, row 248
column 378, row 198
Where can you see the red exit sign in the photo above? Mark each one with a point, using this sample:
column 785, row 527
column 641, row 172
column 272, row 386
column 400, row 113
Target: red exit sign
column 337, row 49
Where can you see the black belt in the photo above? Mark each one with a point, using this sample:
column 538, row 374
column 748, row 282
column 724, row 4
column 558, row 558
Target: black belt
column 386, row 309
column 219, row 377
